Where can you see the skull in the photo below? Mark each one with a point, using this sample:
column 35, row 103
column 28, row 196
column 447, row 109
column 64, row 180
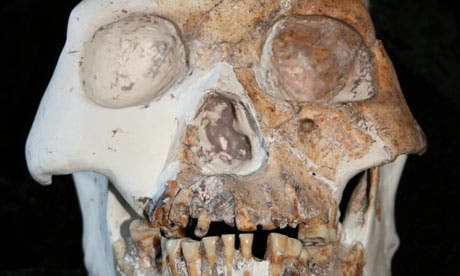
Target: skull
column 215, row 118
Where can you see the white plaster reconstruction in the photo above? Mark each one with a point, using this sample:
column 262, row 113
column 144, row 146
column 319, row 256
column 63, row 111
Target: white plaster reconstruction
column 179, row 133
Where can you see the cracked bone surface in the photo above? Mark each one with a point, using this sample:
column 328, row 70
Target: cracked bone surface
column 228, row 131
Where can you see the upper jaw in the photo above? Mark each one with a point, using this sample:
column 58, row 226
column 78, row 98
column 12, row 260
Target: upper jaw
column 309, row 243
column 285, row 190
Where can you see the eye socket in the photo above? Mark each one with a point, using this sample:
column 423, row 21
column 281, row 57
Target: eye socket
column 315, row 59
column 132, row 61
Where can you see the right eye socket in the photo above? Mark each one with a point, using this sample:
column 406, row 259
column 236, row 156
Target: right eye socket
column 132, row 61
column 315, row 59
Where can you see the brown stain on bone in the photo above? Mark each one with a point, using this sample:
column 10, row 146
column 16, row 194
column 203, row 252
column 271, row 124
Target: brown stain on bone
column 329, row 132
column 313, row 57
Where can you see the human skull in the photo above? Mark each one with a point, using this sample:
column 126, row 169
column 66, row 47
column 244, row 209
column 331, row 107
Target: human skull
column 221, row 117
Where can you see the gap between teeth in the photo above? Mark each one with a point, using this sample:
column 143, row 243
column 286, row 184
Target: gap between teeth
column 213, row 255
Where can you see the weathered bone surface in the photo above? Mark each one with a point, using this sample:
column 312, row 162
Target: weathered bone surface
column 229, row 131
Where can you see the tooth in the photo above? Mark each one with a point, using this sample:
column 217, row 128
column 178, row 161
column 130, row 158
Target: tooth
column 209, row 244
column 202, row 227
column 191, row 251
column 304, row 254
column 173, row 232
column 161, row 212
column 304, row 258
column 270, row 225
column 119, row 251
column 180, row 211
column 320, row 257
column 293, row 247
column 284, row 203
column 276, row 247
column 246, row 245
column 143, row 234
column 243, row 221
column 316, row 231
column 173, row 247
column 351, row 259
column 229, row 252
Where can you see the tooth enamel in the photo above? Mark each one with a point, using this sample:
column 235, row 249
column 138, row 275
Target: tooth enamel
column 293, row 248
column 276, row 247
column 209, row 244
column 246, row 245
column 229, row 252
column 202, row 227
column 191, row 251
column 173, row 248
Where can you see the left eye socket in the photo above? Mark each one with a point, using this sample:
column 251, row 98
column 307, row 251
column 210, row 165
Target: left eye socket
column 316, row 59
column 132, row 61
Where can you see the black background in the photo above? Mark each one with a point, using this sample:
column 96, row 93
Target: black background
column 41, row 226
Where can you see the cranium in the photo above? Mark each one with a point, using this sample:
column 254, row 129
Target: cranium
column 212, row 118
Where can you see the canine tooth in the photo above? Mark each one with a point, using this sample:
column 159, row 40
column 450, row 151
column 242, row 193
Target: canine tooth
column 276, row 247
column 191, row 251
column 173, row 248
column 293, row 247
column 246, row 245
column 202, row 227
column 209, row 244
column 229, row 252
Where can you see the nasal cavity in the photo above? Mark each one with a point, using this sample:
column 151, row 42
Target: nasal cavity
column 226, row 134
column 221, row 125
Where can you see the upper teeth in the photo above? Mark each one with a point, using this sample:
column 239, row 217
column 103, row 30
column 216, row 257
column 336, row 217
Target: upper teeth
column 217, row 255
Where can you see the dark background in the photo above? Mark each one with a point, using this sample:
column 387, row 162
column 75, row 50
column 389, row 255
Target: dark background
column 41, row 226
